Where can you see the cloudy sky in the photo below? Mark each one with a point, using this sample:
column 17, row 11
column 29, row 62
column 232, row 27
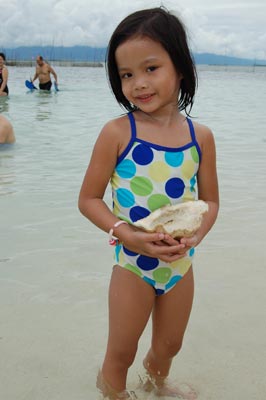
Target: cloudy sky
column 226, row 27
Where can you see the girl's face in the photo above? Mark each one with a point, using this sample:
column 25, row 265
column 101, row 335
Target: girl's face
column 148, row 76
column 1, row 61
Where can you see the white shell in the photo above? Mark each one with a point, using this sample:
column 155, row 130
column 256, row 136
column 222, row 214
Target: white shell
column 179, row 220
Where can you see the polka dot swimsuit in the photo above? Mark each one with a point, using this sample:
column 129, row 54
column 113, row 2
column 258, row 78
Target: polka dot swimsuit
column 148, row 176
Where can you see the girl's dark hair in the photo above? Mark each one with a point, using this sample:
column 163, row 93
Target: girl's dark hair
column 3, row 56
column 161, row 26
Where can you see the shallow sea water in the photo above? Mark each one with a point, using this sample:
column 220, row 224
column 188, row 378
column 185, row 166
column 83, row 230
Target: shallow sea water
column 55, row 266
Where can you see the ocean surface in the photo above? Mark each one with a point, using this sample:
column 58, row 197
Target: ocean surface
column 55, row 266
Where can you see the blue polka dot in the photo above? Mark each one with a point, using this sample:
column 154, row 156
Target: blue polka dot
column 175, row 187
column 142, row 155
column 147, row 263
column 126, row 169
column 173, row 281
column 191, row 252
column 159, row 292
column 138, row 212
column 125, row 198
column 129, row 252
column 174, row 159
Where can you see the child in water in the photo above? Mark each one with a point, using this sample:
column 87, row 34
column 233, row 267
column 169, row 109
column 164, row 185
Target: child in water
column 152, row 156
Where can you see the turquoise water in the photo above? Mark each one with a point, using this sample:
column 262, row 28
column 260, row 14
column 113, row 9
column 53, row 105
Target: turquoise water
column 55, row 266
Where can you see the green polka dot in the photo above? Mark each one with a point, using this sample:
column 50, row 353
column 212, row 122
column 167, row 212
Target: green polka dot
column 141, row 186
column 194, row 154
column 159, row 171
column 134, row 269
column 182, row 265
column 157, row 200
column 188, row 169
column 162, row 275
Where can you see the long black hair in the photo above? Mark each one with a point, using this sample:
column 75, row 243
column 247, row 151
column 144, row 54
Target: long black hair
column 161, row 26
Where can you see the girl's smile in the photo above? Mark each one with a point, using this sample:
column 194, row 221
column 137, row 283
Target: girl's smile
column 145, row 98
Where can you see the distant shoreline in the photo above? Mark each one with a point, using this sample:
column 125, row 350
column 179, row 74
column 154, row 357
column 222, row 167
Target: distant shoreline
column 60, row 63
column 92, row 64
column 95, row 56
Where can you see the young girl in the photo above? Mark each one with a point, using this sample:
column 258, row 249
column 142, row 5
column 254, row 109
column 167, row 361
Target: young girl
column 152, row 156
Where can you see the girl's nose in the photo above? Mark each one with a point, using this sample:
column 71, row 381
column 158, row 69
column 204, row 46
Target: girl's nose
column 141, row 84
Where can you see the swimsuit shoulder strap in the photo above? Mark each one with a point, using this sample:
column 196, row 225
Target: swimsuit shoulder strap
column 132, row 137
column 193, row 136
column 192, row 131
column 132, row 125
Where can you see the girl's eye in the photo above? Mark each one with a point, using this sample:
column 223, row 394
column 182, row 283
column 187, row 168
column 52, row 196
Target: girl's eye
column 126, row 75
column 152, row 68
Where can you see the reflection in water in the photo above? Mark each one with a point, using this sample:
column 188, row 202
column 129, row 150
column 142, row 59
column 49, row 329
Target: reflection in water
column 7, row 173
column 6, row 180
column 4, row 104
column 44, row 105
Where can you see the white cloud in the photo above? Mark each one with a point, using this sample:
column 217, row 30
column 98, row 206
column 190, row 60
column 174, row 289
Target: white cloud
column 221, row 26
column 228, row 28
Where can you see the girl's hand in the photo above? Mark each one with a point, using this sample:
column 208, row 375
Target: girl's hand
column 190, row 242
column 157, row 245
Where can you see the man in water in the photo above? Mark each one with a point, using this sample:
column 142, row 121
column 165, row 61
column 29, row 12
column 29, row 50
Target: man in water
column 43, row 73
column 6, row 131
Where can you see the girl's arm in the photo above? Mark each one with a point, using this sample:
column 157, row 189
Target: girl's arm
column 207, row 185
column 92, row 206
column 97, row 177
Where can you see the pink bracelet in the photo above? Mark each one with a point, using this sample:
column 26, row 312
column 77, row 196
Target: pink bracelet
column 112, row 239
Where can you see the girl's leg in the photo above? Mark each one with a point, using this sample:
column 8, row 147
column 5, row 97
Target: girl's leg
column 130, row 305
column 170, row 317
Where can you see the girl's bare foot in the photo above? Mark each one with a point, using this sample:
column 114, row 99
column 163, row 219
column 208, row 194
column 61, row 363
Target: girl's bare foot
column 162, row 387
column 110, row 393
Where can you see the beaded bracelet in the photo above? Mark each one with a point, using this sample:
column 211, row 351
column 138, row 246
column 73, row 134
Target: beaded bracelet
column 112, row 239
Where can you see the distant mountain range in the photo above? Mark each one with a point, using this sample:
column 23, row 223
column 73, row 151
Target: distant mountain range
column 97, row 54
